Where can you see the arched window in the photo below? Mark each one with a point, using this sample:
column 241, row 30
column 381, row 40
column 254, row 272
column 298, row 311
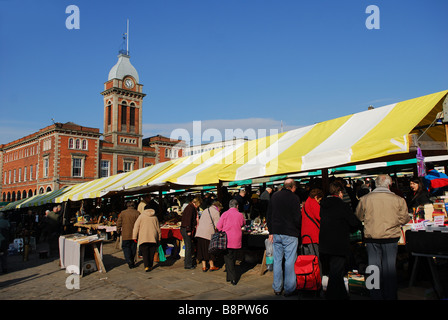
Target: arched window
column 77, row 144
column 84, row 144
column 123, row 115
column 70, row 143
column 132, row 117
column 109, row 113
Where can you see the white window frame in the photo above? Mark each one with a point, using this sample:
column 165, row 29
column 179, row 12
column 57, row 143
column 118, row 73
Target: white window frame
column 81, row 159
column 46, row 166
column 128, row 163
column 104, row 168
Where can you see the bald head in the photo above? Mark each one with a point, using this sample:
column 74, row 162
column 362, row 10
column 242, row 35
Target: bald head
column 290, row 184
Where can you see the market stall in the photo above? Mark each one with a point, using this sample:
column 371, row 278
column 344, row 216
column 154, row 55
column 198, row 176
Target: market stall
column 75, row 251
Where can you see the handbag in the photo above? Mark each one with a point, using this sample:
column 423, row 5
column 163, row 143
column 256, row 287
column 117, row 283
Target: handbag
column 307, row 271
column 218, row 241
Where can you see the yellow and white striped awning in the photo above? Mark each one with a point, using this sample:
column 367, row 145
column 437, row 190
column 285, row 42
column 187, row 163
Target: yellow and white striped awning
column 358, row 137
column 119, row 182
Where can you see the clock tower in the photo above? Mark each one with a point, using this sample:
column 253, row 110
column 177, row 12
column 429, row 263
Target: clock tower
column 123, row 98
column 122, row 149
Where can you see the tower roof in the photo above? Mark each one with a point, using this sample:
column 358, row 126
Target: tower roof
column 123, row 68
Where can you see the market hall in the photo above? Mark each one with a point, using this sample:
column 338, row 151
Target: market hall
column 397, row 139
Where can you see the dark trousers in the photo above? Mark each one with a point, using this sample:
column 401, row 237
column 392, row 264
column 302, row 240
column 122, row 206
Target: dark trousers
column 230, row 260
column 335, row 265
column 129, row 250
column 188, row 241
column 148, row 251
column 383, row 256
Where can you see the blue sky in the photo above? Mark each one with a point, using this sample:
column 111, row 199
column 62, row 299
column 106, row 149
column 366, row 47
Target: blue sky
column 228, row 63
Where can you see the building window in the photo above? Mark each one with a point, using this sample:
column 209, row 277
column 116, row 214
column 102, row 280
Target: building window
column 84, row 144
column 77, row 144
column 105, row 168
column 46, row 167
column 70, row 143
column 132, row 117
column 31, row 172
column 14, row 181
column 109, row 114
column 128, row 166
column 24, row 173
column 46, row 144
column 20, row 174
column 77, row 166
column 123, row 116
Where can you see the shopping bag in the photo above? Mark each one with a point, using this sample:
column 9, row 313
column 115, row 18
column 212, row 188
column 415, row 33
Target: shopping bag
column 218, row 242
column 161, row 254
column 307, row 271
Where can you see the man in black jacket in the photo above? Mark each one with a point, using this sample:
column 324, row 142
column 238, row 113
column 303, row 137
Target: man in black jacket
column 284, row 224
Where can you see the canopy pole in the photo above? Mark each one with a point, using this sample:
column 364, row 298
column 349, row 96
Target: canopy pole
column 160, row 202
column 325, row 183
column 219, row 191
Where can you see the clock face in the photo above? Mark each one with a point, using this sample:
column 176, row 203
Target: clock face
column 129, row 83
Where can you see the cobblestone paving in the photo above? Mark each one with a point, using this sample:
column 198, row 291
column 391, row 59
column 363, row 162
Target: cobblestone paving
column 43, row 279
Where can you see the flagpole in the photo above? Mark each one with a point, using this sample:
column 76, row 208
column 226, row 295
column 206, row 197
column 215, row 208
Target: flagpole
column 127, row 37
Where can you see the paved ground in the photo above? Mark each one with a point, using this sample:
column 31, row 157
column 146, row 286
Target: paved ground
column 43, row 279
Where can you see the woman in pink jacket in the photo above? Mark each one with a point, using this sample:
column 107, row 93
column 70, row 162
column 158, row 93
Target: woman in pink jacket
column 231, row 222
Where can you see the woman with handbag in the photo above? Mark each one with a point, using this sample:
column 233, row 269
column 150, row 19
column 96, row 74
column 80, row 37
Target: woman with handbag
column 147, row 231
column 311, row 222
column 231, row 222
column 206, row 228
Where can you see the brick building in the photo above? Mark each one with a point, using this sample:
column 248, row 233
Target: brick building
column 64, row 154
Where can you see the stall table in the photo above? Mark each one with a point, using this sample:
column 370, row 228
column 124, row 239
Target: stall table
column 429, row 245
column 256, row 240
column 168, row 232
column 72, row 249
column 97, row 227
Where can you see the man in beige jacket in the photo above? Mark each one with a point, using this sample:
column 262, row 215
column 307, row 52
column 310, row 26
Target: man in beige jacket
column 125, row 226
column 383, row 213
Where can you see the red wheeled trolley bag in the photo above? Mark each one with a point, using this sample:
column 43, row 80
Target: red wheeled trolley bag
column 308, row 272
